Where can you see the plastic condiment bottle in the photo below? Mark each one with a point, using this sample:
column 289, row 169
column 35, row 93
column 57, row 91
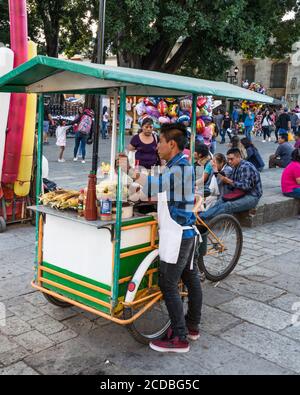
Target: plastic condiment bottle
column 81, row 204
column 106, row 207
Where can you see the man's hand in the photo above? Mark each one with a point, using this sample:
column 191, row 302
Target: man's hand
column 225, row 180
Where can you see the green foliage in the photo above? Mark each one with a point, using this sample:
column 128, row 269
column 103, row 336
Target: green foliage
column 4, row 22
column 143, row 33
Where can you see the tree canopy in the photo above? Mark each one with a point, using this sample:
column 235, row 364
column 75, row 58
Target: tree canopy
column 191, row 37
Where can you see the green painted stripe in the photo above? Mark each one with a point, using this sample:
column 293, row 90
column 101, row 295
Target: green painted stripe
column 77, row 287
column 137, row 221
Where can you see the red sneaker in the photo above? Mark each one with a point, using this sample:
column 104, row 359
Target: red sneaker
column 170, row 345
column 193, row 334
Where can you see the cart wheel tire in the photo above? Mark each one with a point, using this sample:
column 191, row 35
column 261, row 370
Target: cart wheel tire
column 133, row 328
column 56, row 301
column 213, row 225
column 2, row 225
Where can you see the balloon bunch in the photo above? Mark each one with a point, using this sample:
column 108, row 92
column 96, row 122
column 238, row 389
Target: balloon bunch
column 171, row 110
column 255, row 87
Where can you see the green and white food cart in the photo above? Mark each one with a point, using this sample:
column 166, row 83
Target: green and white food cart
column 108, row 268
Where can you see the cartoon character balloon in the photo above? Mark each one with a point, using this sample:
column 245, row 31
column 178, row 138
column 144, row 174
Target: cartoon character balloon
column 173, row 110
column 186, row 104
column 140, row 108
column 152, row 111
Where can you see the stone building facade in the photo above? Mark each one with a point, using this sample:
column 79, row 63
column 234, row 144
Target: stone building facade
column 281, row 78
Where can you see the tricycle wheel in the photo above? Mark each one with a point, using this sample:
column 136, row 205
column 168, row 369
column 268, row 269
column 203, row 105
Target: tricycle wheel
column 56, row 301
column 2, row 225
column 154, row 322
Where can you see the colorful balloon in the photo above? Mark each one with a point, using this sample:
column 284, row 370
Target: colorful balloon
column 200, row 126
column 184, row 118
column 162, row 108
column 140, row 108
column 149, row 101
column 186, row 104
column 174, row 119
column 201, row 101
column 173, row 110
column 152, row 111
column 170, row 100
column 163, row 120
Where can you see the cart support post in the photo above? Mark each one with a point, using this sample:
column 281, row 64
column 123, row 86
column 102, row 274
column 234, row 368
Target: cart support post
column 121, row 146
column 194, row 128
column 39, row 177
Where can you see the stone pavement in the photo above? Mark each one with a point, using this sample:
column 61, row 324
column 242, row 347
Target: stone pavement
column 249, row 323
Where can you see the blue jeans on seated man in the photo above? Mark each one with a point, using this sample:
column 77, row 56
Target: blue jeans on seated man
column 244, row 203
column 295, row 194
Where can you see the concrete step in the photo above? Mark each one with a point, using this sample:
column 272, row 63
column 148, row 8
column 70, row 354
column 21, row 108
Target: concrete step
column 273, row 205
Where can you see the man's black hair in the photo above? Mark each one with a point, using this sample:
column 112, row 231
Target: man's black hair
column 234, row 151
column 201, row 149
column 176, row 132
column 284, row 136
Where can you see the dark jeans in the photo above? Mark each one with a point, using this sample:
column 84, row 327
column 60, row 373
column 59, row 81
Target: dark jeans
column 169, row 277
column 275, row 162
column 223, row 134
column 80, row 138
column 104, row 130
column 295, row 194
column 266, row 131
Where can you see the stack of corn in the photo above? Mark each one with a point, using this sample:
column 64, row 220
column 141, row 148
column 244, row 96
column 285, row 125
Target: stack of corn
column 61, row 199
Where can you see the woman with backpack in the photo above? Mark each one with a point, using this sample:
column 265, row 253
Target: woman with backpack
column 253, row 156
column 82, row 133
column 144, row 144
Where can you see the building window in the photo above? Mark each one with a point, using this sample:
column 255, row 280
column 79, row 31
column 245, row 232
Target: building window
column 278, row 75
column 249, row 72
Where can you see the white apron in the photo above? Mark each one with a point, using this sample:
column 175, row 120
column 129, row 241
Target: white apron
column 170, row 233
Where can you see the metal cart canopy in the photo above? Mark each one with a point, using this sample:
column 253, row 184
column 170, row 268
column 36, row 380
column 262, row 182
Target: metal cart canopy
column 45, row 74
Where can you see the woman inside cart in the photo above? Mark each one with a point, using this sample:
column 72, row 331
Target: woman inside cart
column 145, row 145
column 174, row 188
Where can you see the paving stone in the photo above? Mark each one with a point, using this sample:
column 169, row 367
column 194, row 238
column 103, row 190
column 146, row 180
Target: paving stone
column 34, row 341
column 26, row 311
column 69, row 357
column 6, row 344
column 257, row 313
column 80, row 324
column 285, row 302
column 257, row 273
column 272, row 346
column 36, row 298
column 17, row 354
column 16, row 286
column 251, row 289
column 18, row 369
column 63, row 336
column 285, row 265
column 47, row 325
column 213, row 296
column 292, row 331
column 14, row 326
column 286, row 282
column 214, row 321
column 58, row 313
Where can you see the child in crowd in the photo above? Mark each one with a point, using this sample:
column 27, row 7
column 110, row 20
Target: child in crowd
column 61, row 138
